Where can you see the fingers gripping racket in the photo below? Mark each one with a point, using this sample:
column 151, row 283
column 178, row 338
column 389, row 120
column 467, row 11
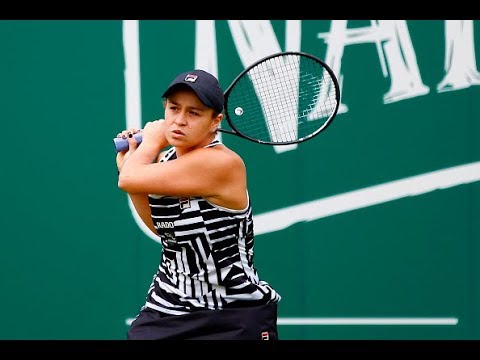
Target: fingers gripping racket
column 284, row 98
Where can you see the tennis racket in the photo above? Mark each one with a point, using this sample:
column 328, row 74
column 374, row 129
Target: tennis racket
column 284, row 98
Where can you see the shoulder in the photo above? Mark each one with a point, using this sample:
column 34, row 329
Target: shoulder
column 214, row 161
column 224, row 155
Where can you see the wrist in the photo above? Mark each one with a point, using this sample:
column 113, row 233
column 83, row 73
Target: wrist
column 151, row 149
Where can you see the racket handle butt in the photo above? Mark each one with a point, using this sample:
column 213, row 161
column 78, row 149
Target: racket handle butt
column 122, row 144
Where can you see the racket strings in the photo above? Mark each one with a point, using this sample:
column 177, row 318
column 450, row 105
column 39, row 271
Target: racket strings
column 283, row 99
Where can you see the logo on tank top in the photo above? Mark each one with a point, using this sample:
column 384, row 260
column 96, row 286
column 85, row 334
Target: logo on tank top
column 169, row 238
column 165, row 225
column 265, row 335
column 184, row 202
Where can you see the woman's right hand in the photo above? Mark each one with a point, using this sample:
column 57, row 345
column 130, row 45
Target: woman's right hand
column 122, row 156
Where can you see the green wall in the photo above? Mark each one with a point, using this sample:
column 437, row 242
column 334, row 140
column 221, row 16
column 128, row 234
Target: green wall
column 377, row 263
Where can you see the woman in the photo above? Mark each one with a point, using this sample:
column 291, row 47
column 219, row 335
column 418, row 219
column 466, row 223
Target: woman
column 191, row 190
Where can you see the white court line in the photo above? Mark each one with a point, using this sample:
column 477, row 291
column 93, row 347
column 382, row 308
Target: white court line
column 360, row 321
column 367, row 321
column 416, row 185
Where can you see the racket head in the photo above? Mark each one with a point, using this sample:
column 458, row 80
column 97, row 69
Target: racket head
column 284, row 98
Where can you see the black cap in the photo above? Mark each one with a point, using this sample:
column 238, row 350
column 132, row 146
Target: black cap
column 204, row 84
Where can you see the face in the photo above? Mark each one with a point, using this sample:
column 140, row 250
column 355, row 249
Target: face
column 188, row 123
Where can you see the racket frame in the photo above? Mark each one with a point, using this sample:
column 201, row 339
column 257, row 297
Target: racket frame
column 227, row 92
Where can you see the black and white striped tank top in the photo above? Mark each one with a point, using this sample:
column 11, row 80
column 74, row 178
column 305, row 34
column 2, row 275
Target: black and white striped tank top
column 207, row 256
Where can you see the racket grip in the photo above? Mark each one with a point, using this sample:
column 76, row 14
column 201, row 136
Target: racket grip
column 122, row 144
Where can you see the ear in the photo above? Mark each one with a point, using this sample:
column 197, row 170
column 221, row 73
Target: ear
column 216, row 122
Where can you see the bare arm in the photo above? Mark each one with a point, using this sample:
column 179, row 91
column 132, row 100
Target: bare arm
column 217, row 174
column 140, row 202
column 214, row 173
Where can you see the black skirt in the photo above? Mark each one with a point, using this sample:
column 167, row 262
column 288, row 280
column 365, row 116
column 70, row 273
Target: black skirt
column 246, row 323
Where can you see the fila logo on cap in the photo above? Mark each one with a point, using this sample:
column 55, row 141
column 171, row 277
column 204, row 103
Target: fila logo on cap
column 191, row 78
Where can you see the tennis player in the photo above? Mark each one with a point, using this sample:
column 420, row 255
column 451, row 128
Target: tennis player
column 191, row 190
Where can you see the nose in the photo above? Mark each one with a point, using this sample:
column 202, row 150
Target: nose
column 181, row 119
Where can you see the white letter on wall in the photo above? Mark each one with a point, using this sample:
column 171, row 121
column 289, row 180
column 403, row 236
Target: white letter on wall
column 396, row 55
column 460, row 63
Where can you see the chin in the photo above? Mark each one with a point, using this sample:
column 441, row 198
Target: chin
column 176, row 142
